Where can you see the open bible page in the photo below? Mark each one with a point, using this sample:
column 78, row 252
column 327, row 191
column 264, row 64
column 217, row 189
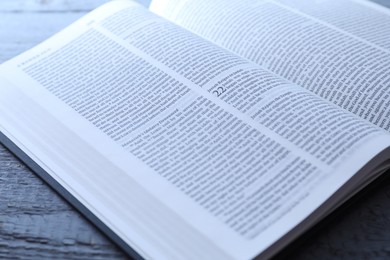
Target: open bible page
column 338, row 49
column 182, row 148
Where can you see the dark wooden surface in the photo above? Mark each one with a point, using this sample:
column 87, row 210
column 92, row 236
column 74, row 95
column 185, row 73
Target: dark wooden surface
column 36, row 223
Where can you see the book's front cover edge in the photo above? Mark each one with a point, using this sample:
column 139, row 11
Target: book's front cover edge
column 46, row 177
column 282, row 254
column 331, row 218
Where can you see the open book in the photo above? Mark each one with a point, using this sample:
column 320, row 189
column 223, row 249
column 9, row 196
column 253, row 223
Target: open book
column 224, row 133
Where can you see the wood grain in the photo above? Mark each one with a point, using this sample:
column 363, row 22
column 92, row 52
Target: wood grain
column 35, row 223
column 24, row 6
column 20, row 32
column 382, row 2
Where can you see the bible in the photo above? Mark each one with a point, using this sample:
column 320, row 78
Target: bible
column 206, row 129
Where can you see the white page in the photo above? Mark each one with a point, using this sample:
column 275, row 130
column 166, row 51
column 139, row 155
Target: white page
column 157, row 179
column 338, row 49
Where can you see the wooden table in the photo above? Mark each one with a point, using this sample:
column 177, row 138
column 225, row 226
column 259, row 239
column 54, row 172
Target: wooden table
column 36, row 223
